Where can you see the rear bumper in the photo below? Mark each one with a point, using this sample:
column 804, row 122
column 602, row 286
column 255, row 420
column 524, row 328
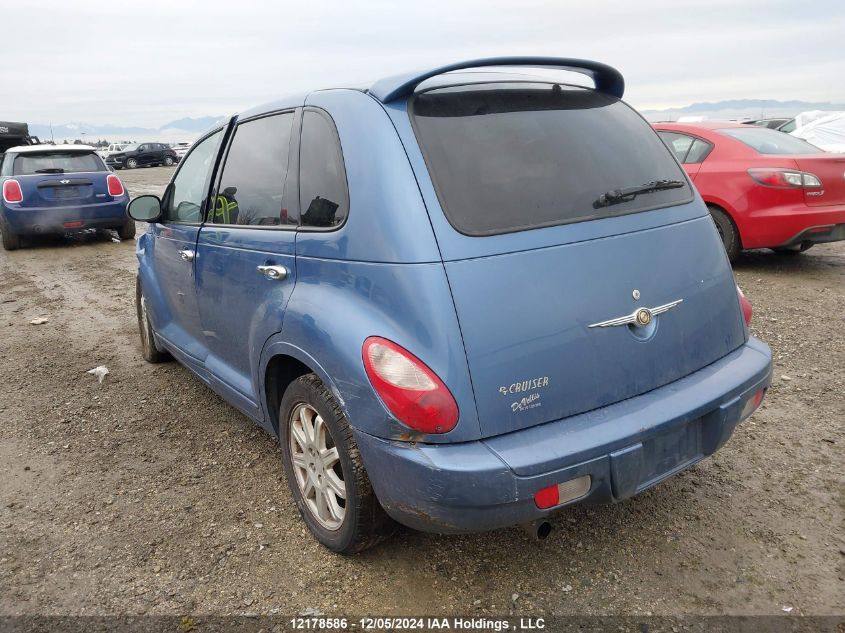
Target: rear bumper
column 818, row 235
column 780, row 227
column 36, row 220
column 624, row 448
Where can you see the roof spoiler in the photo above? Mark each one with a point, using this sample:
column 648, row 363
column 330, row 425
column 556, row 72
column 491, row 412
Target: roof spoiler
column 606, row 78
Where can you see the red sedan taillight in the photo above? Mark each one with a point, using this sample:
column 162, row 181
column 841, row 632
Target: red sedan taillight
column 12, row 191
column 114, row 185
column 409, row 389
column 784, row 178
column 747, row 311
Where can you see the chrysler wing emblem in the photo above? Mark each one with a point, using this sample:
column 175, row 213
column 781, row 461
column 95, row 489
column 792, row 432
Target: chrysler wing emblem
column 65, row 182
column 640, row 317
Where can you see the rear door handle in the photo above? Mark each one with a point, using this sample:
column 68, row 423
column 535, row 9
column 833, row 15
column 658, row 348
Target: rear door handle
column 187, row 256
column 274, row 273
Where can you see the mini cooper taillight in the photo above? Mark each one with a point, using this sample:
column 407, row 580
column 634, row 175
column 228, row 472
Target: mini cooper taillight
column 408, row 388
column 12, row 191
column 746, row 306
column 114, row 185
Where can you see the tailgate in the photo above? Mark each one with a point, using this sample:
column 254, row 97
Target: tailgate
column 526, row 316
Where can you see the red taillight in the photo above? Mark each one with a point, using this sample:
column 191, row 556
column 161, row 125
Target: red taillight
column 114, row 185
column 12, row 191
column 784, row 178
column 409, row 389
column 746, row 306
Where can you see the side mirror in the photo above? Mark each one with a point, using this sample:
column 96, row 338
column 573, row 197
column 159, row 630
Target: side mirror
column 145, row 209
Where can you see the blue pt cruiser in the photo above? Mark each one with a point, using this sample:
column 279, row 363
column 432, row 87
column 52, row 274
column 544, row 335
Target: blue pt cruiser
column 461, row 300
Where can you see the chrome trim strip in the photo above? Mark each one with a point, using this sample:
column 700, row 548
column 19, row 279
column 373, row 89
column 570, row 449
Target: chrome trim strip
column 631, row 319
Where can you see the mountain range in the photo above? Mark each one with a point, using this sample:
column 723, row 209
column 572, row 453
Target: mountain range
column 188, row 129
column 741, row 109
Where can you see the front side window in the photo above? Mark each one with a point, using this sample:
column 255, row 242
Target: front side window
column 324, row 198
column 508, row 157
column 768, row 141
column 190, row 186
column 56, row 163
column 253, row 189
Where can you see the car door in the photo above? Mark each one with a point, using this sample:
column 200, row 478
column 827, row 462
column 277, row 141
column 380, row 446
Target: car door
column 176, row 315
column 245, row 265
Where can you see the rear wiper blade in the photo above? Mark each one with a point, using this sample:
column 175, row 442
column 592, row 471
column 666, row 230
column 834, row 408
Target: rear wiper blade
column 615, row 196
column 51, row 170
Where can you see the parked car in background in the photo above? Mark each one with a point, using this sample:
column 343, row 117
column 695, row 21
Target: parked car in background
column 180, row 148
column 764, row 188
column 111, row 149
column 550, row 319
column 826, row 132
column 142, row 155
column 55, row 189
column 769, row 123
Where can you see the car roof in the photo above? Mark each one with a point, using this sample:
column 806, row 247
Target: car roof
column 698, row 125
column 606, row 79
column 30, row 149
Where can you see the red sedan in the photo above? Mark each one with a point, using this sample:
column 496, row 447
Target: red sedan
column 764, row 188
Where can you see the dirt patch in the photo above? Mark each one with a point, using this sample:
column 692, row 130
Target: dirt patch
column 148, row 494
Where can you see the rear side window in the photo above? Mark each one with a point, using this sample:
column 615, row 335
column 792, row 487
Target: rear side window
column 768, row 141
column 508, row 157
column 687, row 149
column 56, row 163
column 254, row 187
column 324, row 199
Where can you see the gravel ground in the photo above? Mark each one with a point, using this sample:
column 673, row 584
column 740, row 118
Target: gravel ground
column 148, row 494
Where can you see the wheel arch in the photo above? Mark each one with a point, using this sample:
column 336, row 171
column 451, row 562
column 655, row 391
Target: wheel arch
column 281, row 371
column 726, row 209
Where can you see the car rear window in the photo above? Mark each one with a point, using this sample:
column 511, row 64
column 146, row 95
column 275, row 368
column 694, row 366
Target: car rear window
column 768, row 141
column 508, row 157
column 57, row 163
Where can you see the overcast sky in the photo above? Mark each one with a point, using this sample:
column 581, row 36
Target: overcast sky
column 147, row 62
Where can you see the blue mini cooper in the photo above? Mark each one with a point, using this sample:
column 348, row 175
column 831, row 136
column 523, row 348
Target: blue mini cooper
column 56, row 189
column 461, row 300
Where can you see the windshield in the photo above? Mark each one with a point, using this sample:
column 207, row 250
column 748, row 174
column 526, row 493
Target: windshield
column 768, row 141
column 130, row 148
column 508, row 157
column 56, row 163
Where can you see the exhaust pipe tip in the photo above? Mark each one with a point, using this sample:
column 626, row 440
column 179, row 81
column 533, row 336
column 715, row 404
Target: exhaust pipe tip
column 538, row 530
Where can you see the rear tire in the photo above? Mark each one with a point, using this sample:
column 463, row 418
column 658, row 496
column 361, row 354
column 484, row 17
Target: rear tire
column 347, row 524
column 11, row 240
column 727, row 231
column 127, row 231
column 149, row 350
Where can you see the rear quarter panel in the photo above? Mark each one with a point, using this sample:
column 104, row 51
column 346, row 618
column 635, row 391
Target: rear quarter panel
column 379, row 274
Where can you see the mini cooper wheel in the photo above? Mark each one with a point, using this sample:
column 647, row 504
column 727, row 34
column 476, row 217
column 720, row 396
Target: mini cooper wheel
column 150, row 352
column 11, row 240
column 324, row 470
column 131, row 163
column 168, row 161
column 727, row 231
column 127, row 231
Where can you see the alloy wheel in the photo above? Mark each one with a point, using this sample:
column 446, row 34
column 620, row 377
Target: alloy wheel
column 317, row 467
